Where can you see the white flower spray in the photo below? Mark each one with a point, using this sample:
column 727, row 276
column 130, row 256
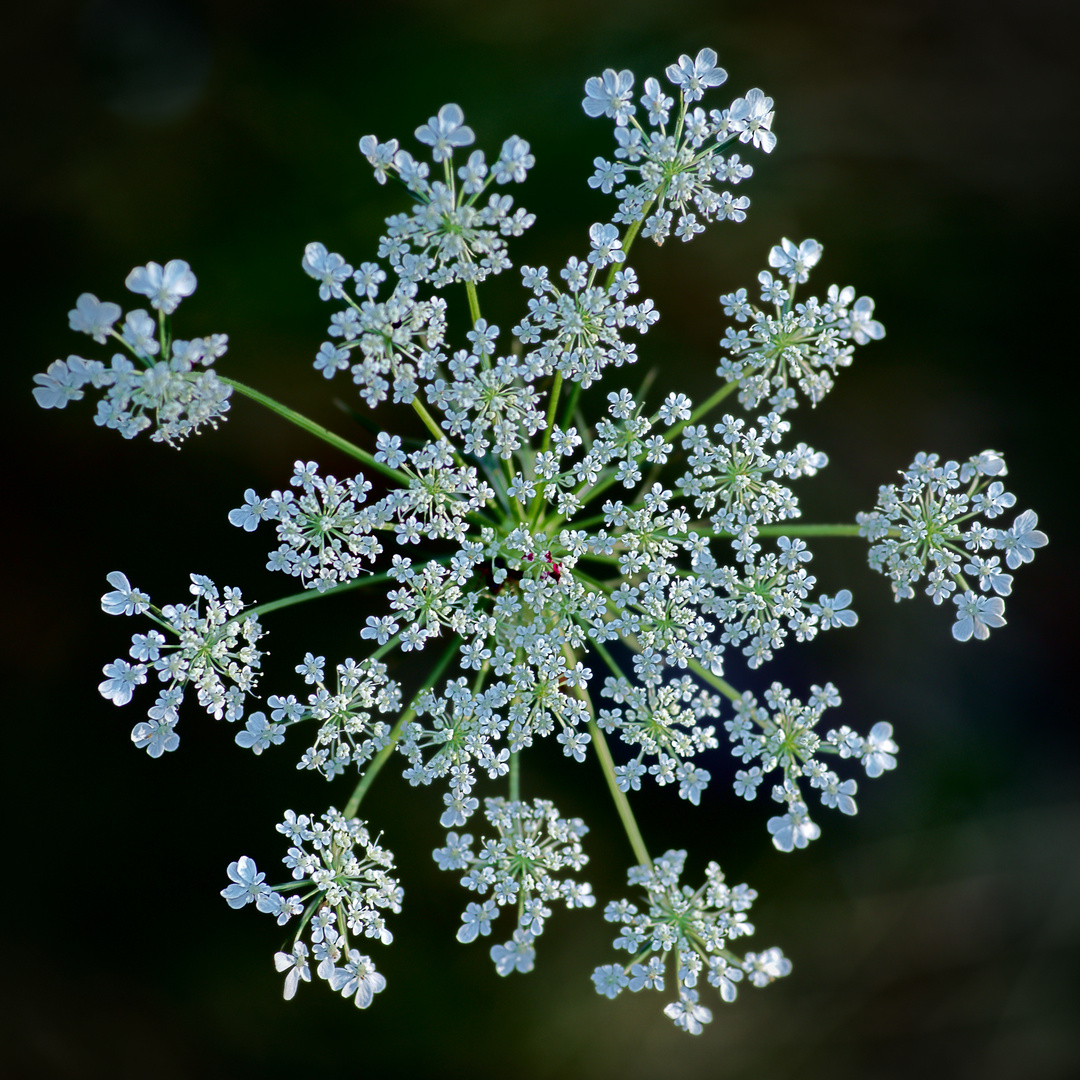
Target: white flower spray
column 575, row 580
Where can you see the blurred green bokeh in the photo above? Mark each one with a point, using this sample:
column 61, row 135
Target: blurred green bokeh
column 929, row 146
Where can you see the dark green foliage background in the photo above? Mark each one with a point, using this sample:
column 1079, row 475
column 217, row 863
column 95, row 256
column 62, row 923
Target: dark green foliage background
column 929, row 146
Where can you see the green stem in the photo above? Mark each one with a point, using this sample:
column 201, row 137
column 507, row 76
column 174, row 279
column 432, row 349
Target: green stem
column 588, row 494
column 515, row 777
column 312, row 594
column 571, row 406
column 556, row 389
column 382, row 650
column 715, row 681
column 317, row 430
column 383, row 755
column 790, row 529
column 608, row 659
column 474, row 314
column 622, row 804
column 629, row 238
column 607, row 765
column 793, row 529
column 474, row 302
column 627, row 243
column 429, row 420
column 607, row 560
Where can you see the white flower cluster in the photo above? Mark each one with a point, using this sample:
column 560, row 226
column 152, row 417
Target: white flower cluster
column 783, row 738
column 214, row 643
column 327, row 532
column 674, row 171
column 347, row 732
column 663, row 721
column 690, row 930
column 399, row 337
column 169, row 385
column 796, row 344
column 451, row 235
column 930, row 519
column 521, row 868
column 552, row 560
column 729, row 479
column 324, row 533
column 580, row 328
column 340, row 888
column 769, row 598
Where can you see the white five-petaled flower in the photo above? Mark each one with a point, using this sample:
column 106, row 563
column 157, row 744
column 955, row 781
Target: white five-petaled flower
column 247, row 882
column 164, row 286
column 834, row 611
column 795, row 263
column 328, row 268
column 863, row 326
column 517, row 954
column 693, row 77
column 656, row 101
column 1020, row 541
column 752, row 117
column 121, row 678
column 606, row 245
column 793, row 829
column 446, row 131
column 295, row 963
column 156, row 735
column 358, row 979
column 879, row 750
column 93, row 316
column 976, row 615
column 687, row 1013
column 62, row 382
column 381, row 155
column 123, row 600
column 515, row 160
column 609, row 95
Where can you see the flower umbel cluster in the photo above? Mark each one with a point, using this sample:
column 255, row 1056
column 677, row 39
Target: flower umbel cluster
column 520, row 868
column 347, row 732
column 324, row 533
column 158, row 380
column 931, row 521
column 214, row 651
column 673, row 172
column 451, row 234
column 341, row 884
column 782, row 737
column 533, row 573
column 793, row 345
column 682, row 933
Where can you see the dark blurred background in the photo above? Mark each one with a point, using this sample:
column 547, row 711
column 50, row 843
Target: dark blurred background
column 929, row 146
